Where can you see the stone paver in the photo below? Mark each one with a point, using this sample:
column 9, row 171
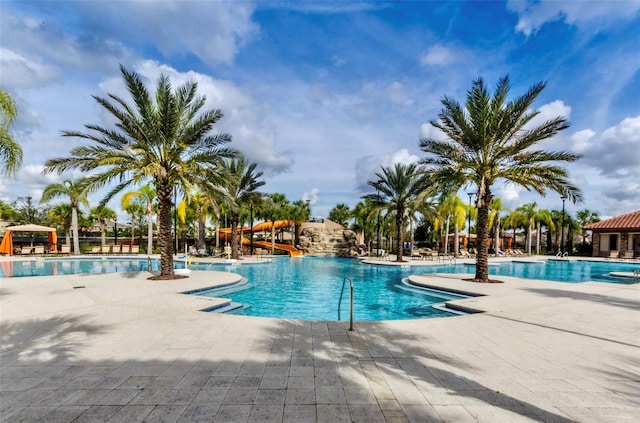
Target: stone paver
column 125, row 349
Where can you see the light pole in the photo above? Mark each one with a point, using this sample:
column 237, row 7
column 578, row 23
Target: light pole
column 470, row 194
column 378, row 227
column 562, row 227
column 251, row 228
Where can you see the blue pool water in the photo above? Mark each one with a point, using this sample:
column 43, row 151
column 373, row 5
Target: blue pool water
column 51, row 267
column 309, row 288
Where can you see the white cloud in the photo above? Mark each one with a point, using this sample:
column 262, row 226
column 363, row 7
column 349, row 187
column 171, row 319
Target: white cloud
column 428, row 131
column 368, row 166
column 439, row 55
column 312, row 196
column 534, row 14
column 510, row 195
column 18, row 71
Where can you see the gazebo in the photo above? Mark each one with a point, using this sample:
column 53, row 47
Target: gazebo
column 6, row 246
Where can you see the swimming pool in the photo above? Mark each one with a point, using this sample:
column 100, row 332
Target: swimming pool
column 309, row 288
column 73, row 266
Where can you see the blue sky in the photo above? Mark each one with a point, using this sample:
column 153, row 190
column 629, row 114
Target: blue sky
column 321, row 94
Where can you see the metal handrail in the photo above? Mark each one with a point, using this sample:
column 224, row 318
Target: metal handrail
column 148, row 264
column 347, row 278
column 636, row 275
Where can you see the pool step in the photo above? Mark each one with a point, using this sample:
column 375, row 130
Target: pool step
column 230, row 306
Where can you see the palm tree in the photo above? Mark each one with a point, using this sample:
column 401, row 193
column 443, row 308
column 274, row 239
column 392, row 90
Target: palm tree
column 274, row 208
column 300, row 212
column 146, row 194
column 61, row 214
column 364, row 221
column 397, row 187
column 76, row 191
column 242, row 183
column 7, row 212
column 490, row 139
column 102, row 214
column 163, row 139
column 495, row 209
column 584, row 218
column 340, row 214
column 10, row 150
column 451, row 207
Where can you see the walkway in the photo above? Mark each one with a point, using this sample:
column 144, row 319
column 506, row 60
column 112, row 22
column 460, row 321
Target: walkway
column 120, row 348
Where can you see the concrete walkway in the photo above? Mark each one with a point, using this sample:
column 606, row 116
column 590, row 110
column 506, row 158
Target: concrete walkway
column 121, row 348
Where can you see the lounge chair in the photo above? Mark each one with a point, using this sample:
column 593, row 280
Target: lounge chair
column 627, row 255
column 613, row 254
column 94, row 250
column 115, row 249
column 106, row 249
column 65, row 249
column 38, row 250
column 125, row 249
column 26, row 251
column 135, row 249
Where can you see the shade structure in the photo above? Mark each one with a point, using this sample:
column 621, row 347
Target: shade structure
column 6, row 246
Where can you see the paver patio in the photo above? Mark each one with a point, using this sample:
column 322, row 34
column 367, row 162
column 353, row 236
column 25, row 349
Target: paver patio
column 121, row 348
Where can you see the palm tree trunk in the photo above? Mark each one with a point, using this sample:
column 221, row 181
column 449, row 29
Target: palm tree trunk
column 74, row 228
column 482, row 258
column 411, row 231
column 201, row 242
column 103, row 237
column 456, row 240
column 150, row 229
column 399, row 225
column 273, row 237
column 234, row 236
column 529, row 236
column 67, row 235
column 164, row 192
column 446, row 236
column 538, row 233
column 496, row 248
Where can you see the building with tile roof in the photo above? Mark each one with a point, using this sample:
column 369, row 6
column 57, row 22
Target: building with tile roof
column 619, row 234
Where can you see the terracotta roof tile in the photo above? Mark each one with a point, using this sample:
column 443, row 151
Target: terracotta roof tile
column 626, row 221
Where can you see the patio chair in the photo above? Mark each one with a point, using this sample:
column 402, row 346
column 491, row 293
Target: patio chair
column 106, row 249
column 94, row 250
column 613, row 254
column 115, row 249
column 38, row 250
column 135, row 249
column 125, row 249
column 65, row 249
column 627, row 255
column 26, row 251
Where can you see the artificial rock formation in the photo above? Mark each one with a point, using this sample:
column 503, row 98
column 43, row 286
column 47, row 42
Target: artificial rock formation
column 328, row 241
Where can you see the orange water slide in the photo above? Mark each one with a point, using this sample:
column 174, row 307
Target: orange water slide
column 293, row 251
column 225, row 235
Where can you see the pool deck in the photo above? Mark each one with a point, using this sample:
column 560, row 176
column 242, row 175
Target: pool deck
column 121, row 348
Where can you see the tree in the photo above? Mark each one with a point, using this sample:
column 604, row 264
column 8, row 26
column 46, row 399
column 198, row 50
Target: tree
column 340, row 214
column 274, row 208
column 364, row 220
column 76, row 191
column 8, row 212
column 300, row 212
column 586, row 217
column 102, row 214
column 241, row 184
column 10, row 150
column 451, row 208
column 146, row 194
column 398, row 186
column 495, row 209
column 491, row 139
column 62, row 214
column 163, row 139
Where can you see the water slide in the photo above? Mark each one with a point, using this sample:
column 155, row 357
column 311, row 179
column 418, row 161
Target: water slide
column 225, row 235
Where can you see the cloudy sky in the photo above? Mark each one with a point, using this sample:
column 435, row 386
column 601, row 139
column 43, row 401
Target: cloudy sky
column 321, row 94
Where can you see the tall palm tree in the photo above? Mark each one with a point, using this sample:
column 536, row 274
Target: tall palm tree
column 398, row 186
column 163, row 139
column 274, row 208
column 491, row 139
column 584, row 218
column 102, row 214
column 61, row 214
column 76, row 191
column 495, row 209
column 300, row 212
column 146, row 194
column 451, row 208
column 242, row 183
column 364, row 221
column 340, row 214
column 10, row 150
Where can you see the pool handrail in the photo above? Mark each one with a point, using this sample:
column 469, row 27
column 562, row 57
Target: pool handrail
column 347, row 278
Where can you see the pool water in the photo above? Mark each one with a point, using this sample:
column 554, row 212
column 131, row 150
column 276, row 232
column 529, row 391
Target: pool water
column 310, row 288
column 54, row 267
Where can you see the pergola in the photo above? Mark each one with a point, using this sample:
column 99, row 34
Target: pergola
column 6, row 247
